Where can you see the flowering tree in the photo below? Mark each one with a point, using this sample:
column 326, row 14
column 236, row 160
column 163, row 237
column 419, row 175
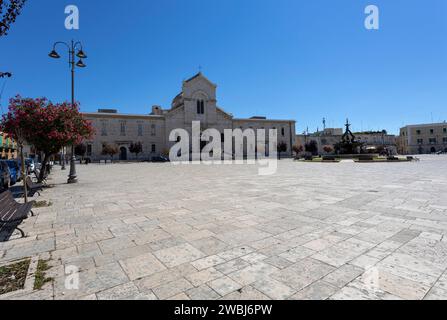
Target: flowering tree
column 48, row 127
column 297, row 148
column 328, row 149
column 109, row 150
column 17, row 133
column 136, row 148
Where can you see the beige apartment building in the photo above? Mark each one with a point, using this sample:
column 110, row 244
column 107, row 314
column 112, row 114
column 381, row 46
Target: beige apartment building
column 374, row 140
column 196, row 102
column 8, row 148
column 423, row 138
column 327, row 137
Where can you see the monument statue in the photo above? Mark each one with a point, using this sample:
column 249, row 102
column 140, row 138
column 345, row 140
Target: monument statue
column 348, row 144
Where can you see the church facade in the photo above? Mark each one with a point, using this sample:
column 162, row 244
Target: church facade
column 196, row 102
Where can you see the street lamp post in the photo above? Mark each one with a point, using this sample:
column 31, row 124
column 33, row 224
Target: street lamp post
column 63, row 159
column 72, row 47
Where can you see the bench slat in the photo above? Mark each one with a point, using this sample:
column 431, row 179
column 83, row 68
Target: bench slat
column 11, row 210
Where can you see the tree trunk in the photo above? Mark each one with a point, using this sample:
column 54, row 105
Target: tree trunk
column 24, row 174
column 43, row 168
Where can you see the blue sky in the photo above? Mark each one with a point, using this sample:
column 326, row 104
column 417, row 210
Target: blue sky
column 291, row 59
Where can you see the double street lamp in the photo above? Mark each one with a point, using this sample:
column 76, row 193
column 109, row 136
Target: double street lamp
column 74, row 50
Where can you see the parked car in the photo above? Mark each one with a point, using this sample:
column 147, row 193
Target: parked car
column 14, row 170
column 5, row 175
column 37, row 165
column 160, row 159
column 30, row 164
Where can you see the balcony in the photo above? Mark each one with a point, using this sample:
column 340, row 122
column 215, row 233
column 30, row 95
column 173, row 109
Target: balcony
column 7, row 143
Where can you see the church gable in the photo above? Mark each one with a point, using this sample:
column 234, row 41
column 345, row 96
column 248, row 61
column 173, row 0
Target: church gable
column 199, row 84
column 201, row 77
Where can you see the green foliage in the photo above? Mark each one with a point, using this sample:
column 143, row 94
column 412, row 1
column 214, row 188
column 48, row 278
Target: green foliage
column 13, row 276
column 282, row 147
column 109, row 150
column 9, row 11
column 40, row 275
column 136, row 148
column 311, row 147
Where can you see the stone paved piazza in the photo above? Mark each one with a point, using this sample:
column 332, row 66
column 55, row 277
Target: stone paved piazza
column 312, row 231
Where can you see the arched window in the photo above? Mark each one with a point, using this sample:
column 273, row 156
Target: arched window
column 200, row 107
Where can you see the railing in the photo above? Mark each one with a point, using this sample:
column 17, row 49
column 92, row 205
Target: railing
column 7, row 144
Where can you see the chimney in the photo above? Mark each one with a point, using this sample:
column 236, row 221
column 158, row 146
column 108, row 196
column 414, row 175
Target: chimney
column 157, row 110
column 107, row 111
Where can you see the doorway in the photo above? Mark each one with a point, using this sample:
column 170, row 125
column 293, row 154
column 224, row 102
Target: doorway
column 123, row 154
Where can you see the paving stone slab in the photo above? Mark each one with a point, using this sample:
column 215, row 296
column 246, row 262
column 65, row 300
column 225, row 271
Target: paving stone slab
column 312, row 234
column 318, row 290
column 178, row 255
column 141, row 266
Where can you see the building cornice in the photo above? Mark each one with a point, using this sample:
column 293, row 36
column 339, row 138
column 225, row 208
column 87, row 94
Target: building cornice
column 263, row 120
column 426, row 125
column 122, row 115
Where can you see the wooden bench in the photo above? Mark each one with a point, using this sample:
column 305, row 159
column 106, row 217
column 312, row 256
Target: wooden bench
column 37, row 174
column 13, row 213
column 33, row 187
